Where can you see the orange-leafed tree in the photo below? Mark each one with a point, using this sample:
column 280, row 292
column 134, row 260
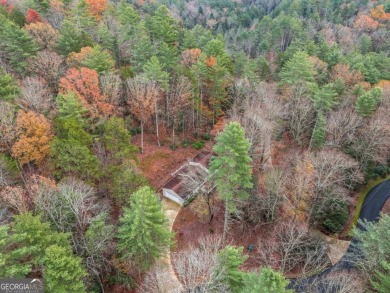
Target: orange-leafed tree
column 32, row 16
column 85, row 83
column 97, row 7
column 365, row 23
column 34, row 137
column 380, row 13
column 211, row 61
column 384, row 84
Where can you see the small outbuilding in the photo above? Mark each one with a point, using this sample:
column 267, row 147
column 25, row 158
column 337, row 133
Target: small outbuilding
column 176, row 189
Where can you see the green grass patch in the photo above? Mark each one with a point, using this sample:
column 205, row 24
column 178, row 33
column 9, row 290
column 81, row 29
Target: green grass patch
column 362, row 197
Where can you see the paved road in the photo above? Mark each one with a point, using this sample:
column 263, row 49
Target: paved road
column 370, row 211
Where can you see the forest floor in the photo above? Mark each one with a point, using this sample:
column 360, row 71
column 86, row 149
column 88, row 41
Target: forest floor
column 158, row 163
column 386, row 207
column 189, row 228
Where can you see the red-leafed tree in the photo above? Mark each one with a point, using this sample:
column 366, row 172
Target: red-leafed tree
column 85, row 83
column 32, row 16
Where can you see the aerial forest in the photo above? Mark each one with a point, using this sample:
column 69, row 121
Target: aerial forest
column 195, row 146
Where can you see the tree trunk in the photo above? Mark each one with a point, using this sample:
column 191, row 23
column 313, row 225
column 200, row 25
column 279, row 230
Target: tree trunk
column 210, row 203
column 142, row 137
column 225, row 224
column 157, row 132
column 173, row 131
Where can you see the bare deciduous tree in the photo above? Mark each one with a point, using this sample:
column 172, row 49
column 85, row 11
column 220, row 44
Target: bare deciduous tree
column 6, row 177
column 48, row 65
column 258, row 111
column 14, row 198
column 196, row 267
column 293, row 247
column 342, row 127
column 55, row 15
column 70, row 206
column 7, row 126
column 73, row 207
column 35, row 95
column 335, row 169
column 141, row 97
column 301, row 114
column 373, row 140
column 111, row 87
column 264, row 204
column 177, row 99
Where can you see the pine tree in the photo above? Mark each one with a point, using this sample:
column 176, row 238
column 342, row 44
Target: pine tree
column 216, row 48
column 70, row 106
column 40, row 5
column 381, row 280
column 230, row 259
column 118, row 169
column 105, row 37
column 116, row 140
column 373, row 243
column 127, row 15
column 168, row 56
column 18, row 45
column 8, row 87
column 376, row 94
column 143, row 235
column 324, row 98
column 23, row 243
column 63, row 272
column 268, row 281
column 162, row 27
column 10, row 260
column 153, row 70
column 98, row 59
column 71, row 39
column 319, row 131
column 367, row 103
column 298, row 69
column 71, row 150
column 143, row 49
column 231, row 169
